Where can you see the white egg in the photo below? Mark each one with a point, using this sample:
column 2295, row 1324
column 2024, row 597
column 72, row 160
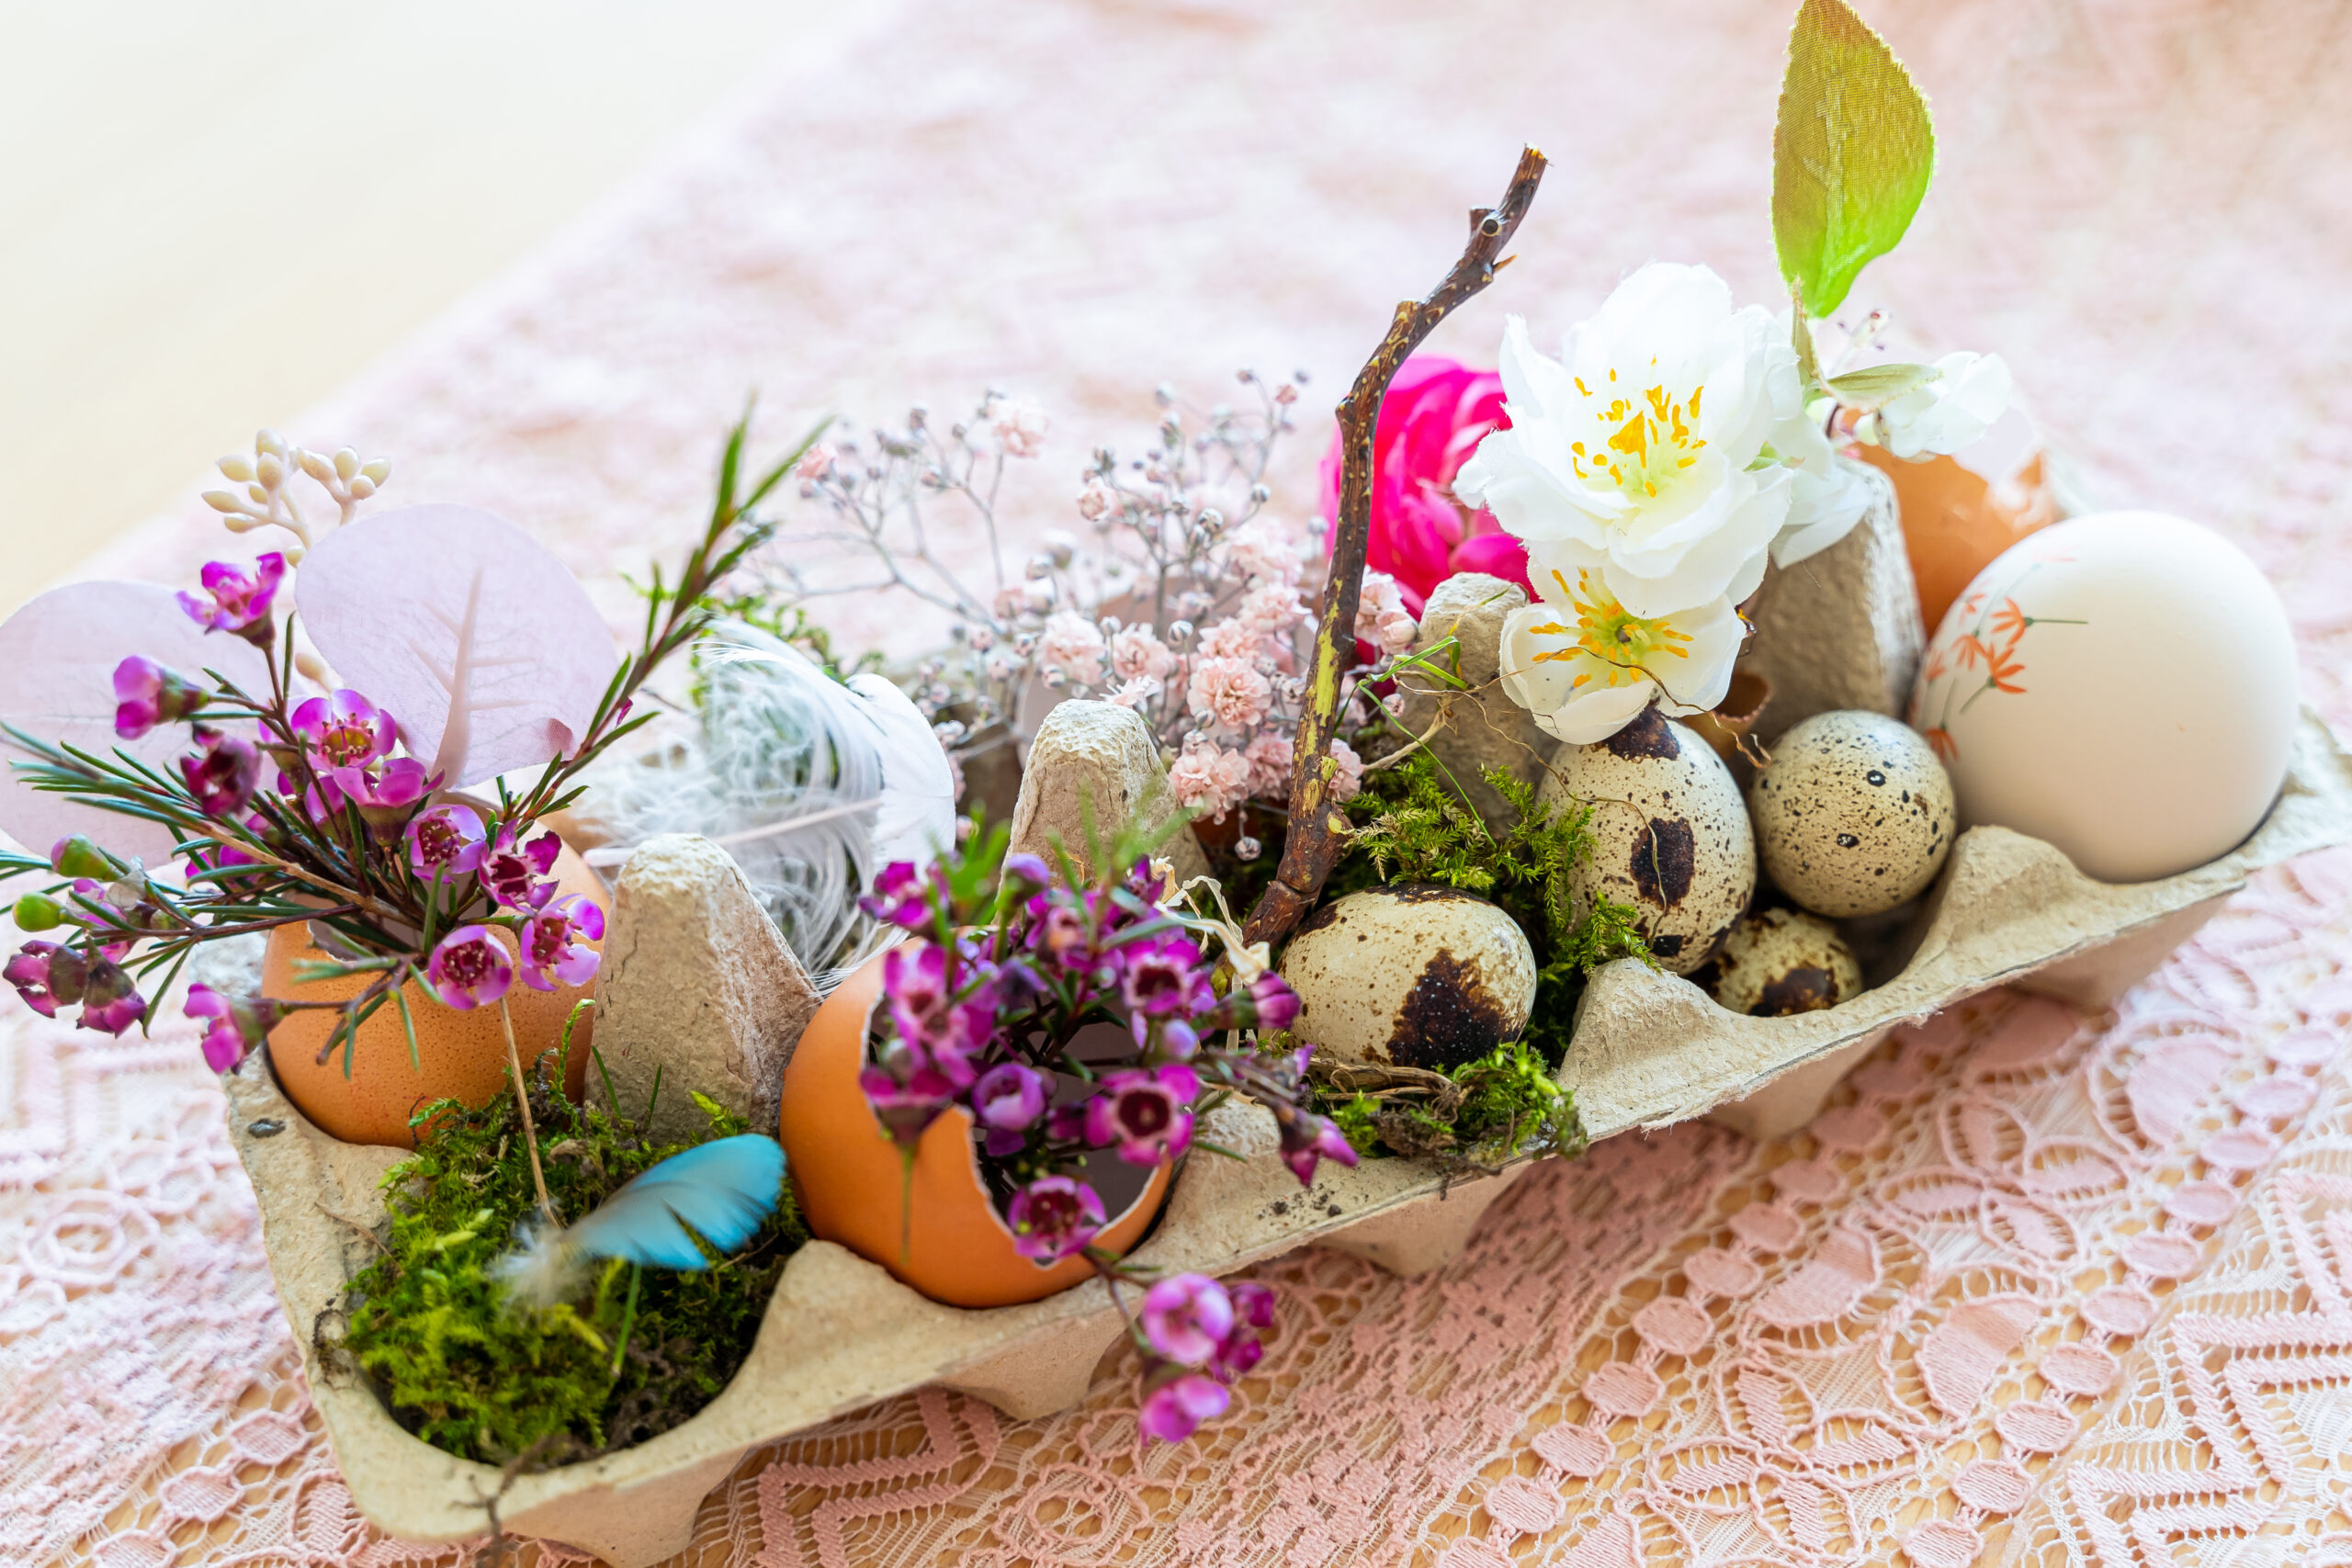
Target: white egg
column 2121, row 686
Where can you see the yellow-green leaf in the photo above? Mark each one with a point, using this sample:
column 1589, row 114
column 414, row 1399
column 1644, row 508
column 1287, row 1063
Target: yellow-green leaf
column 1852, row 154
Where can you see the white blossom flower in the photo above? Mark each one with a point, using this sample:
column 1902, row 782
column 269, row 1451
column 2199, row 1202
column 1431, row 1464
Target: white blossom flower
column 1584, row 665
column 1967, row 394
column 1640, row 444
column 1827, row 497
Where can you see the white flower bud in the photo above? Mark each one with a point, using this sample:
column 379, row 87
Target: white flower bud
column 314, row 463
column 377, row 470
column 310, row 663
column 346, row 462
column 260, row 496
column 270, row 470
column 220, row 499
column 362, row 487
column 269, row 443
column 1041, row 594
column 235, row 467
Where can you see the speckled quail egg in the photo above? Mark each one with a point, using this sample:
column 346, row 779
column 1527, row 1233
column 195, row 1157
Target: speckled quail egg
column 1853, row 814
column 1669, row 835
column 1777, row 962
column 1415, row 975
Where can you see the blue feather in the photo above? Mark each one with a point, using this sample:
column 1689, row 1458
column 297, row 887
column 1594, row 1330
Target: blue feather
column 725, row 1189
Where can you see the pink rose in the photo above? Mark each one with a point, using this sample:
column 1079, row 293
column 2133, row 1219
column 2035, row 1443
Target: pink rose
column 1432, row 420
column 1230, row 693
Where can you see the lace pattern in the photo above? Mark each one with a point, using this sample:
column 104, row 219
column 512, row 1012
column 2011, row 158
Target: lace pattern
column 2037, row 1289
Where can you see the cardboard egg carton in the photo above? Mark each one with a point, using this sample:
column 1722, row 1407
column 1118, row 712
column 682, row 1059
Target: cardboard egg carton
column 699, row 981
column 1650, row 1050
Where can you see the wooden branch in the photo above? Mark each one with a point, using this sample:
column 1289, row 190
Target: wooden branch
column 1317, row 824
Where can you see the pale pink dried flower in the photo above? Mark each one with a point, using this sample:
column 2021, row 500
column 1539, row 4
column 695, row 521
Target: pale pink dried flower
column 1140, row 692
column 1097, row 501
column 1348, row 782
column 1381, row 616
column 1231, row 639
column 1020, row 426
column 1264, row 550
column 1072, row 646
column 1136, row 654
column 1270, row 758
column 1273, row 608
column 1204, row 783
column 1230, row 693
column 817, row 461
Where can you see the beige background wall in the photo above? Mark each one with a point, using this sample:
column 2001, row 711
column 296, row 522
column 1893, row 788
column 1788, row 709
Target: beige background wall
column 213, row 212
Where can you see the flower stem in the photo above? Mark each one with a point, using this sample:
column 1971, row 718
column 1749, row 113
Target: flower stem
column 523, row 1100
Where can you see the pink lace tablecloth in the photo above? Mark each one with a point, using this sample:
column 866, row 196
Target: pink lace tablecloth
column 2040, row 1288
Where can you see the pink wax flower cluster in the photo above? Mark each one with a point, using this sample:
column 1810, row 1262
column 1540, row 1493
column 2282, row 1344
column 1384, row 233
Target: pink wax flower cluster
column 1197, row 1337
column 1436, row 413
column 341, row 796
column 1005, row 966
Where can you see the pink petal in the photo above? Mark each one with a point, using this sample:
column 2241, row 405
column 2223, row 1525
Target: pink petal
column 58, row 656
column 419, row 603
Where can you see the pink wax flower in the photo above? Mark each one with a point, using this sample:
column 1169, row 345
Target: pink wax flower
column 906, row 1104
column 445, row 841
column 45, row 975
column 469, row 968
column 238, row 600
column 555, row 943
column 1436, row 413
column 387, row 794
column 901, row 896
column 223, row 775
column 240, row 1024
column 80, row 856
column 110, row 1003
column 1008, row 1099
column 147, row 694
column 1174, row 1411
column 344, row 731
column 513, row 871
column 1164, row 975
column 1254, row 1312
column 1307, row 1139
column 1053, row 1217
column 1138, row 655
column 1185, row 1317
column 1147, row 1116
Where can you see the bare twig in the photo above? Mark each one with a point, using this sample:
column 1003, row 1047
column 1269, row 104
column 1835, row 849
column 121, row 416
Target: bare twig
column 1317, row 829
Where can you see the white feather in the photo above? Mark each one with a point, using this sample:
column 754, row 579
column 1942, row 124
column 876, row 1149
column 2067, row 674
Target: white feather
column 812, row 785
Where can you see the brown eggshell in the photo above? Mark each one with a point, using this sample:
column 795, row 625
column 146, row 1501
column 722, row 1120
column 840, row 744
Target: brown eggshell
column 942, row 1235
column 1954, row 523
column 462, row 1054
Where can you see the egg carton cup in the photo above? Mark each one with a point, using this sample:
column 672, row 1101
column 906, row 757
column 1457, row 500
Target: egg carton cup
column 839, row 1334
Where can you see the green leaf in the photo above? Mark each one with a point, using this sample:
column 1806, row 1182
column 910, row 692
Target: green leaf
column 1878, row 384
column 1852, row 154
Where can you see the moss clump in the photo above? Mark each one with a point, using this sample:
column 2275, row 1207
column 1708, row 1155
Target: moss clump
column 1473, row 1116
column 478, row 1374
column 1413, row 825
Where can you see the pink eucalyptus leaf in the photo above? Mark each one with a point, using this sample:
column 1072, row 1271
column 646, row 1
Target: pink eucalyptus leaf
column 472, row 636
column 57, row 661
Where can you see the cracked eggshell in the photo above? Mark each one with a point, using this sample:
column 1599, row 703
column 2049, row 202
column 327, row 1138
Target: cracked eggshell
column 1778, row 962
column 1853, row 815
column 1670, row 834
column 1414, row 974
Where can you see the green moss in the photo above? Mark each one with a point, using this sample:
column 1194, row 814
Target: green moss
column 1474, row 1117
column 1414, row 825
column 478, row 1374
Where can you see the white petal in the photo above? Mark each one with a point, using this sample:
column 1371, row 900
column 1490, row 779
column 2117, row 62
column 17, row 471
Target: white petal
column 1826, row 508
column 1697, row 680
column 1597, row 713
column 1754, row 507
